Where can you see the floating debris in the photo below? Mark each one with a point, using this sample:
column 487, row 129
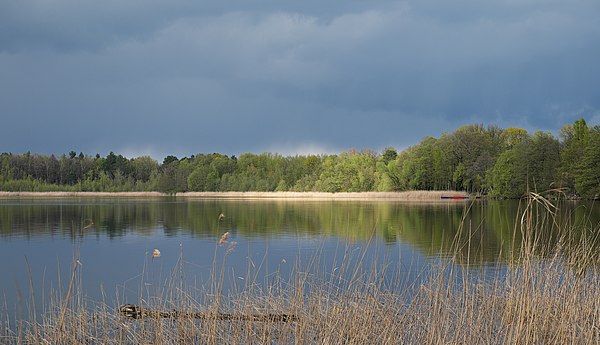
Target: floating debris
column 90, row 223
column 221, row 216
column 135, row 312
column 156, row 253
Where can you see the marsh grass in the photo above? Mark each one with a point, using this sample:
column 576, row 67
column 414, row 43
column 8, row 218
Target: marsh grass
column 397, row 196
column 548, row 294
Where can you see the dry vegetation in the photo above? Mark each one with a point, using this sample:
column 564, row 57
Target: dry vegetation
column 546, row 296
column 400, row 196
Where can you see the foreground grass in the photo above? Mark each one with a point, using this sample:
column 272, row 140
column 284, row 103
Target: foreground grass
column 547, row 296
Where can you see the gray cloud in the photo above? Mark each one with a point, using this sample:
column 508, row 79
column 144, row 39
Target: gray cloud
column 182, row 77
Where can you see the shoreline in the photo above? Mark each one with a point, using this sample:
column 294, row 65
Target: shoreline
column 391, row 196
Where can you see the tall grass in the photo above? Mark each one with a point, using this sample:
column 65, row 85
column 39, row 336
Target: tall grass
column 550, row 294
column 84, row 191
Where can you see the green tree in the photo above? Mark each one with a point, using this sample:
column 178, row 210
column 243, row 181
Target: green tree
column 542, row 156
column 169, row 159
column 508, row 175
column 351, row 171
column 587, row 181
column 174, row 176
column 531, row 164
column 574, row 140
column 389, row 154
column 514, row 136
column 477, row 149
column 143, row 168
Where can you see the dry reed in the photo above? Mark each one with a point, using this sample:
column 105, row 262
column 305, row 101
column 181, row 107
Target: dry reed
column 397, row 196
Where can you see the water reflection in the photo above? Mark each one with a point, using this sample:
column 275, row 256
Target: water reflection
column 116, row 252
column 486, row 230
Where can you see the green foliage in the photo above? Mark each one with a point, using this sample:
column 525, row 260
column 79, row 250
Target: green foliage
column 143, row 168
column 477, row 148
column 389, row 154
column 587, row 180
column 351, row 171
column 542, row 157
column 460, row 160
column 387, row 175
column 507, row 175
column 531, row 164
column 474, row 158
column 169, row 159
column 418, row 169
column 208, row 172
column 574, row 141
column 514, row 137
column 174, row 176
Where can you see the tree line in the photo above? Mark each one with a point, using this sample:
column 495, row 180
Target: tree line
column 489, row 160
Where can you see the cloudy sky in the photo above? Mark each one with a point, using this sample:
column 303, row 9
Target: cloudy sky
column 185, row 76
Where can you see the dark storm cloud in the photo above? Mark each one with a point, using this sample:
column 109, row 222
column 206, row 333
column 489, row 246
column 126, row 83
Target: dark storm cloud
column 184, row 77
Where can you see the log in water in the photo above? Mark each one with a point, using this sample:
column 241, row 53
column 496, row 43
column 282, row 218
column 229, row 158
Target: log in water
column 136, row 312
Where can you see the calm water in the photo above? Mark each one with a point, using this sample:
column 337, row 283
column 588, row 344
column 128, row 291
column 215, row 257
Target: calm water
column 115, row 239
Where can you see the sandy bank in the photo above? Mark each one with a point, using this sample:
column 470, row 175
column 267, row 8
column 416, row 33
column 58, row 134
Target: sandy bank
column 408, row 196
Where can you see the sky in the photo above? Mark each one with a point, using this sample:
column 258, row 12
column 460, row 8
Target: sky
column 180, row 77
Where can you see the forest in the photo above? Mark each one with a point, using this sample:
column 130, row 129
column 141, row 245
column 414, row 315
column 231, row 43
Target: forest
column 503, row 163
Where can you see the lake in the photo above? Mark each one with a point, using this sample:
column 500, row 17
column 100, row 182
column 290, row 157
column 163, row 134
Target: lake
column 113, row 240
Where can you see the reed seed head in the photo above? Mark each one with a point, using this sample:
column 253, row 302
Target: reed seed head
column 224, row 237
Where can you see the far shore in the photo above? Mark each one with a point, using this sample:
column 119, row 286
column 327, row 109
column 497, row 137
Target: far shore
column 399, row 196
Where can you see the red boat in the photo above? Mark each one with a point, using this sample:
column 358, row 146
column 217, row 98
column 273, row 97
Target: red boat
column 455, row 197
